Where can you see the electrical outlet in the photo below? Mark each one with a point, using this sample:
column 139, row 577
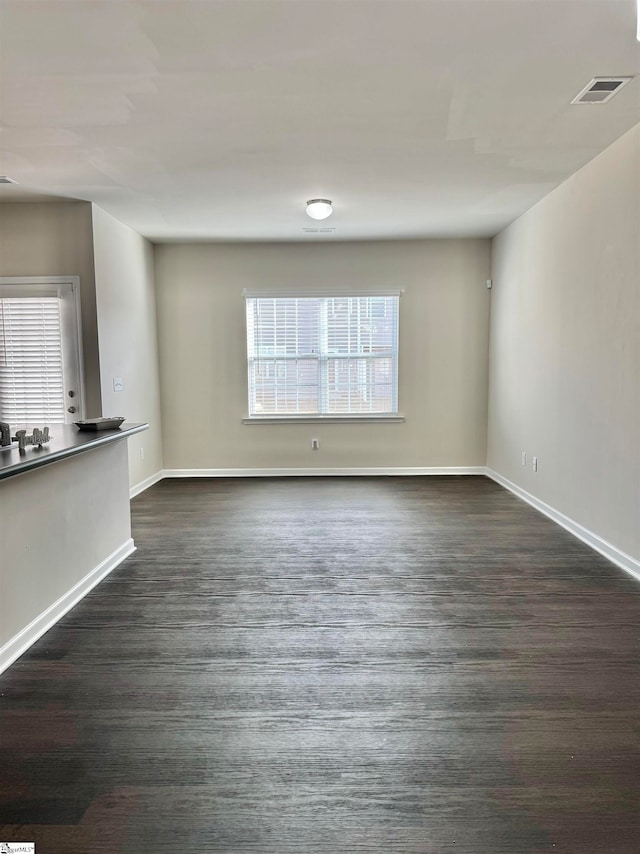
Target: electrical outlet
column 524, row 458
column 118, row 385
column 315, row 444
column 534, row 463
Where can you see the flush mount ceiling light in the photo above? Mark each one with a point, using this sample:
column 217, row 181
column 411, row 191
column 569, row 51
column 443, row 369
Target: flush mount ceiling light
column 319, row 208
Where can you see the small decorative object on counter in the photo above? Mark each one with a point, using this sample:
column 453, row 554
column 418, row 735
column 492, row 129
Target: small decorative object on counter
column 6, row 442
column 38, row 437
column 5, row 435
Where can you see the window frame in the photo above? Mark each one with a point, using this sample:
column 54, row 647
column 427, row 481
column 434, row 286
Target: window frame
column 351, row 417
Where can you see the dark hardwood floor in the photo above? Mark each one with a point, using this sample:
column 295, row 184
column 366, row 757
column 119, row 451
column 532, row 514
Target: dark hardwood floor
column 332, row 665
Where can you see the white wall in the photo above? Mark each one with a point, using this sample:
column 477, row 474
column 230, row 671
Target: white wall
column 127, row 336
column 55, row 239
column 565, row 347
column 443, row 353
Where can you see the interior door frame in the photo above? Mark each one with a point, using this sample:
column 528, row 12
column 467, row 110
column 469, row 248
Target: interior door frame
column 71, row 326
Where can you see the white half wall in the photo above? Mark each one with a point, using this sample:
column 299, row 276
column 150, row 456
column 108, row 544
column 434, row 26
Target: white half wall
column 444, row 319
column 63, row 527
column 564, row 381
column 127, row 337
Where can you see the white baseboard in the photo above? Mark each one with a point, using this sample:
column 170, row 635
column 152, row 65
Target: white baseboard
column 606, row 549
column 326, row 472
column 21, row 642
column 145, row 484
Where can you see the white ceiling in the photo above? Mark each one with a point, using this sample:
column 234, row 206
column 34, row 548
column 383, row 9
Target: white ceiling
column 199, row 119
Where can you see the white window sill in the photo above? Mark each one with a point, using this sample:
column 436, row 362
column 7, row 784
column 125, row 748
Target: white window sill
column 325, row 419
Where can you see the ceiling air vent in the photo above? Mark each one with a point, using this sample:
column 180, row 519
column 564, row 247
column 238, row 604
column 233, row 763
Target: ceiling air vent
column 318, row 230
column 5, row 180
column 600, row 90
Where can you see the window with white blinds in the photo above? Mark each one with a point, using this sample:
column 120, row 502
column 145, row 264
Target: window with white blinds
column 335, row 355
column 39, row 357
column 31, row 382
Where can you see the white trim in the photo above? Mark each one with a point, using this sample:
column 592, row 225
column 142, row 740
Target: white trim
column 326, row 472
column 21, row 642
column 298, row 292
column 380, row 418
column 40, row 280
column 606, row 549
column 145, row 484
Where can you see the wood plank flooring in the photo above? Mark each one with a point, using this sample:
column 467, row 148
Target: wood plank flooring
column 332, row 665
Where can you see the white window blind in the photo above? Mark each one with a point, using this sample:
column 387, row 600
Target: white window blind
column 31, row 361
column 334, row 355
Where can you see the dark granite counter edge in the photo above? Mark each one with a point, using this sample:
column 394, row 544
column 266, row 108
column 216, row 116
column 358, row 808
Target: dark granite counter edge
column 66, row 441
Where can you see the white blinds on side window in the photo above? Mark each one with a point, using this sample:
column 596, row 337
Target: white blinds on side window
column 31, row 361
column 334, row 355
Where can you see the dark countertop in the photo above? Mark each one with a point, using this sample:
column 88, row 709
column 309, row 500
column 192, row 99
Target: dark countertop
column 66, row 441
